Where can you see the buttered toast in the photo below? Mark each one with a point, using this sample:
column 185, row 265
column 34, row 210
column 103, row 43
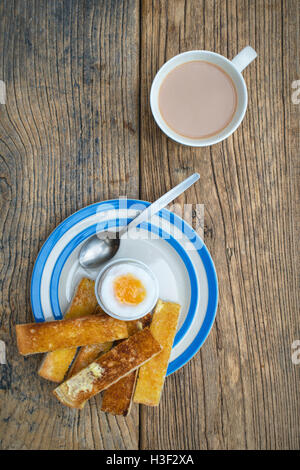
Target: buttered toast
column 120, row 361
column 127, row 360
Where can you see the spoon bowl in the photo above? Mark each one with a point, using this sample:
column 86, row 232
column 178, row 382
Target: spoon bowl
column 98, row 249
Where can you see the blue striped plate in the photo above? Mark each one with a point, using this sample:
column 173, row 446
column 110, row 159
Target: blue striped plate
column 170, row 247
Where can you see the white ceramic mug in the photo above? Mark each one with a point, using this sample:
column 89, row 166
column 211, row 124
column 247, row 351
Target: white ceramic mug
column 232, row 68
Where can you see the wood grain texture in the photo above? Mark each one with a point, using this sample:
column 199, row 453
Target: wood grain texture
column 68, row 138
column 240, row 390
column 76, row 129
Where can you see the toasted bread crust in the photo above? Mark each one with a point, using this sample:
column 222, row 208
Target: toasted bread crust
column 36, row 338
column 117, row 399
column 152, row 375
column 120, row 361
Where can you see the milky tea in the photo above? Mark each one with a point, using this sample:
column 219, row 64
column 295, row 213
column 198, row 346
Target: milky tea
column 197, row 99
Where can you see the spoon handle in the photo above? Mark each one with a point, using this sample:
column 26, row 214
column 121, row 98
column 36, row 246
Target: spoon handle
column 162, row 202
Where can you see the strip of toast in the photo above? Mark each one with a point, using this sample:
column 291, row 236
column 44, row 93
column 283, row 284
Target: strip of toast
column 120, row 361
column 88, row 354
column 152, row 375
column 117, row 399
column 33, row 338
column 84, row 301
column 56, row 363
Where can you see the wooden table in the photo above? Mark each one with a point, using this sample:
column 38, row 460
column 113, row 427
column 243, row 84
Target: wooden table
column 76, row 129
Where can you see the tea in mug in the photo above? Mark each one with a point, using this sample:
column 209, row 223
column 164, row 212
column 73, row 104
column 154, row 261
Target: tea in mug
column 197, row 99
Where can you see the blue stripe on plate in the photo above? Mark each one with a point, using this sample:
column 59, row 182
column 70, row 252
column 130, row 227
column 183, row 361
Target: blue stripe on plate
column 209, row 318
column 86, row 233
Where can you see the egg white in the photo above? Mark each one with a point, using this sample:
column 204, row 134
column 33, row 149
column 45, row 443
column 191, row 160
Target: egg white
column 111, row 302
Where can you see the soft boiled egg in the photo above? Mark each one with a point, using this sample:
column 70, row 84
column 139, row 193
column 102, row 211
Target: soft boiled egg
column 127, row 289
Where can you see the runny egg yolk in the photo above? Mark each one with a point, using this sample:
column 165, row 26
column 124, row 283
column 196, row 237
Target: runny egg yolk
column 129, row 290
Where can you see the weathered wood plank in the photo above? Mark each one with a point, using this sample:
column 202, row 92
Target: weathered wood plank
column 68, row 138
column 240, row 390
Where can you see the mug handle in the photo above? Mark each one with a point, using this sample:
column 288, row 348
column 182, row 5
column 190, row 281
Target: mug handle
column 244, row 58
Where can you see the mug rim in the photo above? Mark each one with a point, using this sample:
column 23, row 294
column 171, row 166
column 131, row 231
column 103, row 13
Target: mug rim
column 204, row 142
